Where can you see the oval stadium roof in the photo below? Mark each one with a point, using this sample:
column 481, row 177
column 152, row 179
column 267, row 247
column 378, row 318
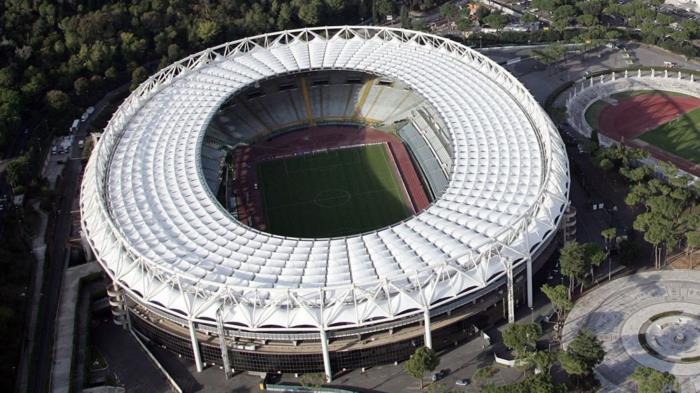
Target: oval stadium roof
column 156, row 228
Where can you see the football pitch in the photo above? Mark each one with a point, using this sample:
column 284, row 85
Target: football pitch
column 332, row 193
column 680, row 136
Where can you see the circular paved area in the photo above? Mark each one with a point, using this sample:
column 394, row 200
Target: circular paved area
column 650, row 319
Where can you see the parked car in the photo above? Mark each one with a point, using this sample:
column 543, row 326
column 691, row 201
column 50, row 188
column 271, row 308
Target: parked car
column 439, row 375
column 462, row 382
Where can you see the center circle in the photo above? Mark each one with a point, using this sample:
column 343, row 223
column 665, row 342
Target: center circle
column 673, row 336
column 332, row 198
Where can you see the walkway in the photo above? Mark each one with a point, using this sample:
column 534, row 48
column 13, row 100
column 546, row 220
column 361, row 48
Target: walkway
column 648, row 319
column 65, row 326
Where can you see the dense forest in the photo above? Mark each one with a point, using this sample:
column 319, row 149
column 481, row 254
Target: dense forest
column 57, row 58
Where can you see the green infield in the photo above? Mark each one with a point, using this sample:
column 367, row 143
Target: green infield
column 680, row 136
column 332, row 193
column 593, row 112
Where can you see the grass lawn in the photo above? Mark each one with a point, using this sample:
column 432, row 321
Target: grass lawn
column 593, row 112
column 333, row 193
column 680, row 137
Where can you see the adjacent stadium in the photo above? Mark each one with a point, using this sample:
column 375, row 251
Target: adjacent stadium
column 323, row 199
column 665, row 119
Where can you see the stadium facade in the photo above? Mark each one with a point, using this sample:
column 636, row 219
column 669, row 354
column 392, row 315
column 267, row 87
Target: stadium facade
column 188, row 275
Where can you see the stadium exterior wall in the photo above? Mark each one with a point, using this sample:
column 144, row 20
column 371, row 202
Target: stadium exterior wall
column 425, row 294
column 482, row 310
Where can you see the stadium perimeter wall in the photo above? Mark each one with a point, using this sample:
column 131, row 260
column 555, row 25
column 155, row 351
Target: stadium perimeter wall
column 461, row 321
column 588, row 91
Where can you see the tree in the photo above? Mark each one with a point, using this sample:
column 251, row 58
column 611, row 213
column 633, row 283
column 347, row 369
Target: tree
column 405, row 19
column 205, row 31
column 384, row 7
column 629, row 252
column 58, row 101
column 81, row 86
column 529, row 18
column 595, row 256
column 17, row 171
column 541, row 360
column 540, row 383
column 587, row 20
column 139, row 75
column 573, row 263
column 562, row 16
column 606, row 165
column 481, row 13
column 584, row 353
column 10, row 107
column 692, row 244
column 313, row 380
column 310, row 12
column 449, row 11
column 484, row 374
column 547, row 5
column 649, row 380
column 423, row 359
column 496, row 20
column 438, row 387
column 559, row 298
column 464, row 24
column 521, row 338
column 609, row 234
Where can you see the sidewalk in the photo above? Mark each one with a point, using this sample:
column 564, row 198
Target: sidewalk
column 64, row 341
column 39, row 252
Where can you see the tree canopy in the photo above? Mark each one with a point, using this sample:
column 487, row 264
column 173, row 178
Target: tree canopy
column 649, row 380
column 522, row 338
column 423, row 359
column 583, row 354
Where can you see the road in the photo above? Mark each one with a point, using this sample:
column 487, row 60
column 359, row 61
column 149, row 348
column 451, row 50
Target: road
column 39, row 382
column 56, row 266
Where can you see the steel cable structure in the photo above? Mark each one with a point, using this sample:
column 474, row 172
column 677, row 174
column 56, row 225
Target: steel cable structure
column 162, row 237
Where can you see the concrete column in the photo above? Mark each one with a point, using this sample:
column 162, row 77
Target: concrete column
column 326, row 356
column 222, row 343
column 511, row 297
column 626, row 74
column 528, row 273
column 195, row 347
column 428, row 335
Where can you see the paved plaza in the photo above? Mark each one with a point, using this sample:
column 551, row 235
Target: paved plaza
column 650, row 319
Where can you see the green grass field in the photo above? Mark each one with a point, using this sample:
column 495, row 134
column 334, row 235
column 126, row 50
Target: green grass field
column 333, row 193
column 593, row 112
column 680, row 137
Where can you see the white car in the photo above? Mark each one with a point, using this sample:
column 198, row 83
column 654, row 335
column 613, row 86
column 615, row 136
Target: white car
column 462, row 382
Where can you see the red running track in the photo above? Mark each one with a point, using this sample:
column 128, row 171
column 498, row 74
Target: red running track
column 249, row 199
column 633, row 116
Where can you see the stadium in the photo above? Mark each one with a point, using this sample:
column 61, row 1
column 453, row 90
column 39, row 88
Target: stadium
column 657, row 111
column 323, row 199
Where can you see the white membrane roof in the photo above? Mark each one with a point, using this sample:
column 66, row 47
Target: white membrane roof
column 154, row 225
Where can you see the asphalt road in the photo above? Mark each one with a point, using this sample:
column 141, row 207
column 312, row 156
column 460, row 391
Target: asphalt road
column 40, row 381
column 54, row 274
